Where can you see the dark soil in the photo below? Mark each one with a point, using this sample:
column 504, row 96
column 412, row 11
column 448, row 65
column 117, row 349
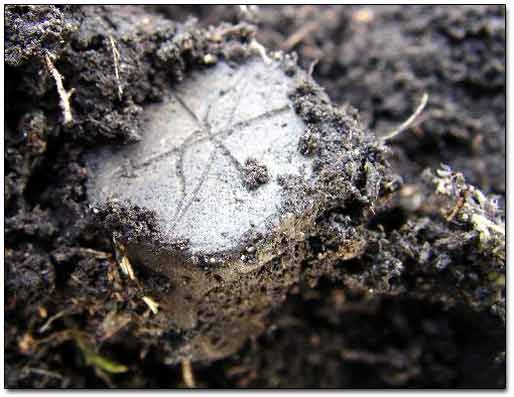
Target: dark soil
column 398, row 276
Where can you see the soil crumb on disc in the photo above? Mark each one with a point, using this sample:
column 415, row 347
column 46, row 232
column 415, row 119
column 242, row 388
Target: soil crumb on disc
column 255, row 174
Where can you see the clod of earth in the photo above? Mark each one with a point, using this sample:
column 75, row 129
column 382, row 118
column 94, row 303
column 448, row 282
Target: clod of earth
column 210, row 166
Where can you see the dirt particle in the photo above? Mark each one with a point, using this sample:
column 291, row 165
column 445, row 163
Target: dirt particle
column 254, row 173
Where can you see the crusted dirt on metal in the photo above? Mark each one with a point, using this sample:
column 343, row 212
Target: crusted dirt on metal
column 191, row 165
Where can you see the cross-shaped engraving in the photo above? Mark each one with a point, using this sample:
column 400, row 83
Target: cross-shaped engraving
column 203, row 132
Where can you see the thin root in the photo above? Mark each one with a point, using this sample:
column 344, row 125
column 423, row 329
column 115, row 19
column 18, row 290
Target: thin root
column 407, row 123
column 456, row 209
column 187, row 374
column 312, row 66
column 127, row 268
column 153, row 305
column 116, row 58
column 63, row 94
column 298, row 36
column 94, row 253
column 44, row 372
column 49, row 322
column 259, row 48
column 123, row 260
